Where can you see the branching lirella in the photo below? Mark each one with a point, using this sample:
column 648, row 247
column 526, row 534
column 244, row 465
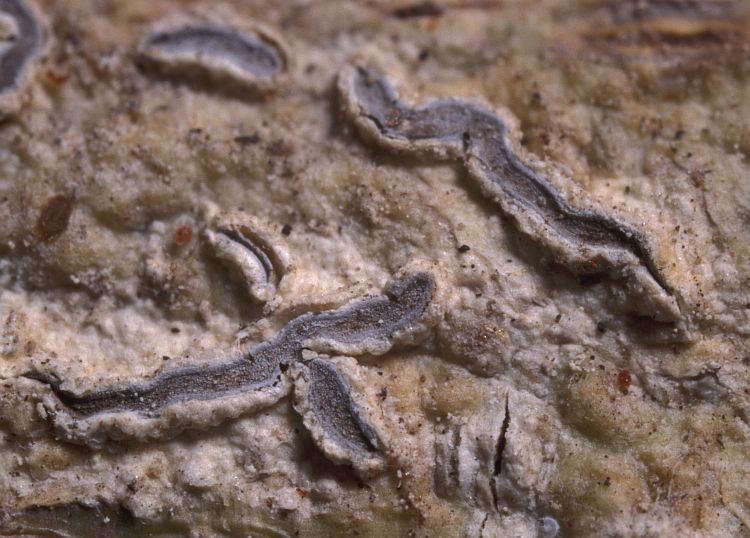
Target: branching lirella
column 256, row 378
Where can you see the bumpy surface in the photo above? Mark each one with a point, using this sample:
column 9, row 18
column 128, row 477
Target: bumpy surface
column 374, row 269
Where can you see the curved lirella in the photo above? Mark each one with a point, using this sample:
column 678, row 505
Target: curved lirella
column 253, row 252
column 201, row 396
column 225, row 55
column 584, row 240
column 20, row 46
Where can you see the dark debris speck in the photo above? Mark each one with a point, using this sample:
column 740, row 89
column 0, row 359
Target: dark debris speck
column 422, row 9
column 247, row 139
column 54, row 217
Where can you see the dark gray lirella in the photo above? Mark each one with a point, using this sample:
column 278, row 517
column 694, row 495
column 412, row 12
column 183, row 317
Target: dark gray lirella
column 323, row 398
column 206, row 50
column 23, row 45
column 256, row 378
column 584, row 240
column 367, row 325
column 72, row 520
column 256, row 370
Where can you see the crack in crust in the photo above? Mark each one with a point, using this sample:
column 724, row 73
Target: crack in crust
column 23, row 46
column 207, row 50
column 585, row 241
column 265, row 262
column 255, row 379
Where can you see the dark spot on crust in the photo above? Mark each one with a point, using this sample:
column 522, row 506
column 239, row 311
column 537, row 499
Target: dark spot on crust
column 286, row 229
column 54, row 217
column 464, row 248
column 279, row 148
column 247, row 139
column 422, row 9
column 589, row 280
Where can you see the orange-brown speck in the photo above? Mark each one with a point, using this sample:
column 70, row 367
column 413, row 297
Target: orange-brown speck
column 57, row 78
column 183, row 235
column 623, row 380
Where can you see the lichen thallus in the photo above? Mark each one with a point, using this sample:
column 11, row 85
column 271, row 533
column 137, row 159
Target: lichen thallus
column 584, row 240
column 322, row 393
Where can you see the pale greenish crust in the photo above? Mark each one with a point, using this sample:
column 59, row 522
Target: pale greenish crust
column 531, row 399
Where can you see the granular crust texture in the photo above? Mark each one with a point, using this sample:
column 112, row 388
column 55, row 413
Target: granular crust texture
column 382, row 268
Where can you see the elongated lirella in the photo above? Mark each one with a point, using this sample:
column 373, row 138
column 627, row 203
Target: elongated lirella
column 583, row 240
column 225, row 55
